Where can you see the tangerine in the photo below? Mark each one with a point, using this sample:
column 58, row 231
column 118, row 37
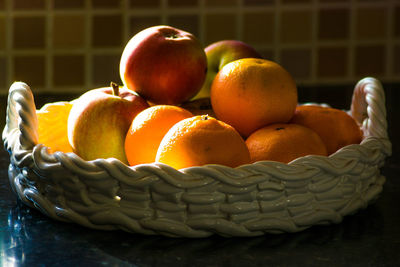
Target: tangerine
column 335, row 127
column 53, row 126
column 148, row 129
column 250, row 93
column 284, row 142
column 201, row 140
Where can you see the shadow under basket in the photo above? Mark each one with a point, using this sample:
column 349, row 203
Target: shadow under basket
column 155, row 199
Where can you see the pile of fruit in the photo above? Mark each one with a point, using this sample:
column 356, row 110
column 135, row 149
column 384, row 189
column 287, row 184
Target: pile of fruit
column 184, row 106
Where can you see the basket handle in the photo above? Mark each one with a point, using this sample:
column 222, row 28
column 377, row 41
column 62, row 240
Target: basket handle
column 20, row 116
column 368, row 107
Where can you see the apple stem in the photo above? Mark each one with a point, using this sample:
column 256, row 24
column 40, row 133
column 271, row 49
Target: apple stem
column 115, row 88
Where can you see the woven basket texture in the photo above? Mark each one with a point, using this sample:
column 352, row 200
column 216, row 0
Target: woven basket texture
column 155, row 199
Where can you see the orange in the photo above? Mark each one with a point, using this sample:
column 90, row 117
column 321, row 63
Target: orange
column 148, row 129
column 335, row 127
column 284, row 142
column 250, row 93
column 53, row 126
column 201, row 140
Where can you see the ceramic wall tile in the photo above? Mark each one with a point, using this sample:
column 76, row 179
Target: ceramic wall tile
column 297, row 62
column 189, row 23
column 138, row 23
column 220, row 3
column 28, row 5
column 3, row 73
column 30, row 69
column 107, row 3
column 396, row 22
column 107, row 31
column 297, row 2
column 2, row 33
column 68, row 4
column 332, row 62
column 396, row 57
column 144, row 3
column 370, row 60
column 69, row 31
column 182, row 3
column 105, row 70
column 259, row 27
column 259, row 2
column 29, row 32
column 220, row 27
column 334, row 24
column 68, row 70
column 371, row 23
column 296, row 26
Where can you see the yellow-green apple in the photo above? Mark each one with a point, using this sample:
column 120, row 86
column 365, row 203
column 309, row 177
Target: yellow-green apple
column 164, row 65
column 221, row 53
column 99, row 120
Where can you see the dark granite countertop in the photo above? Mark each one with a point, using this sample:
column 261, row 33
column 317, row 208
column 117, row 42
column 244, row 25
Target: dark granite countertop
column 371, row 237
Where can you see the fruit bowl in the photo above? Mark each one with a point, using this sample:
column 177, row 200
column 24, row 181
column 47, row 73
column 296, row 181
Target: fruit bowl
column 155, row 199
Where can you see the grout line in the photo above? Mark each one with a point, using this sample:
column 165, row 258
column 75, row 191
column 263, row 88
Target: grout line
column 389, row 37
column 125, row 21
column 113, row 50
column 67, row 51
column 49, row 46
column 240, row 20
column 314, row 41
column 277, row 29
column 351, row 46
column 202, row 22
column 183, row 10
column 212, row 9
column 9, row 43
column 353, row 13
column 88, row 43
column 164, row 12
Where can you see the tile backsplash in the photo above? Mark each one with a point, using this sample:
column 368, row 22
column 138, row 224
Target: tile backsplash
column 75, row 45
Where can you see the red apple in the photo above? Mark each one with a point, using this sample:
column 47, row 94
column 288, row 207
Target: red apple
column 99, row 120
column 221, row 53
column 164, row 65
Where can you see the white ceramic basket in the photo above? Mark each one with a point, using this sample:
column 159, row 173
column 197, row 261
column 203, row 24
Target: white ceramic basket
column 250, row 200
